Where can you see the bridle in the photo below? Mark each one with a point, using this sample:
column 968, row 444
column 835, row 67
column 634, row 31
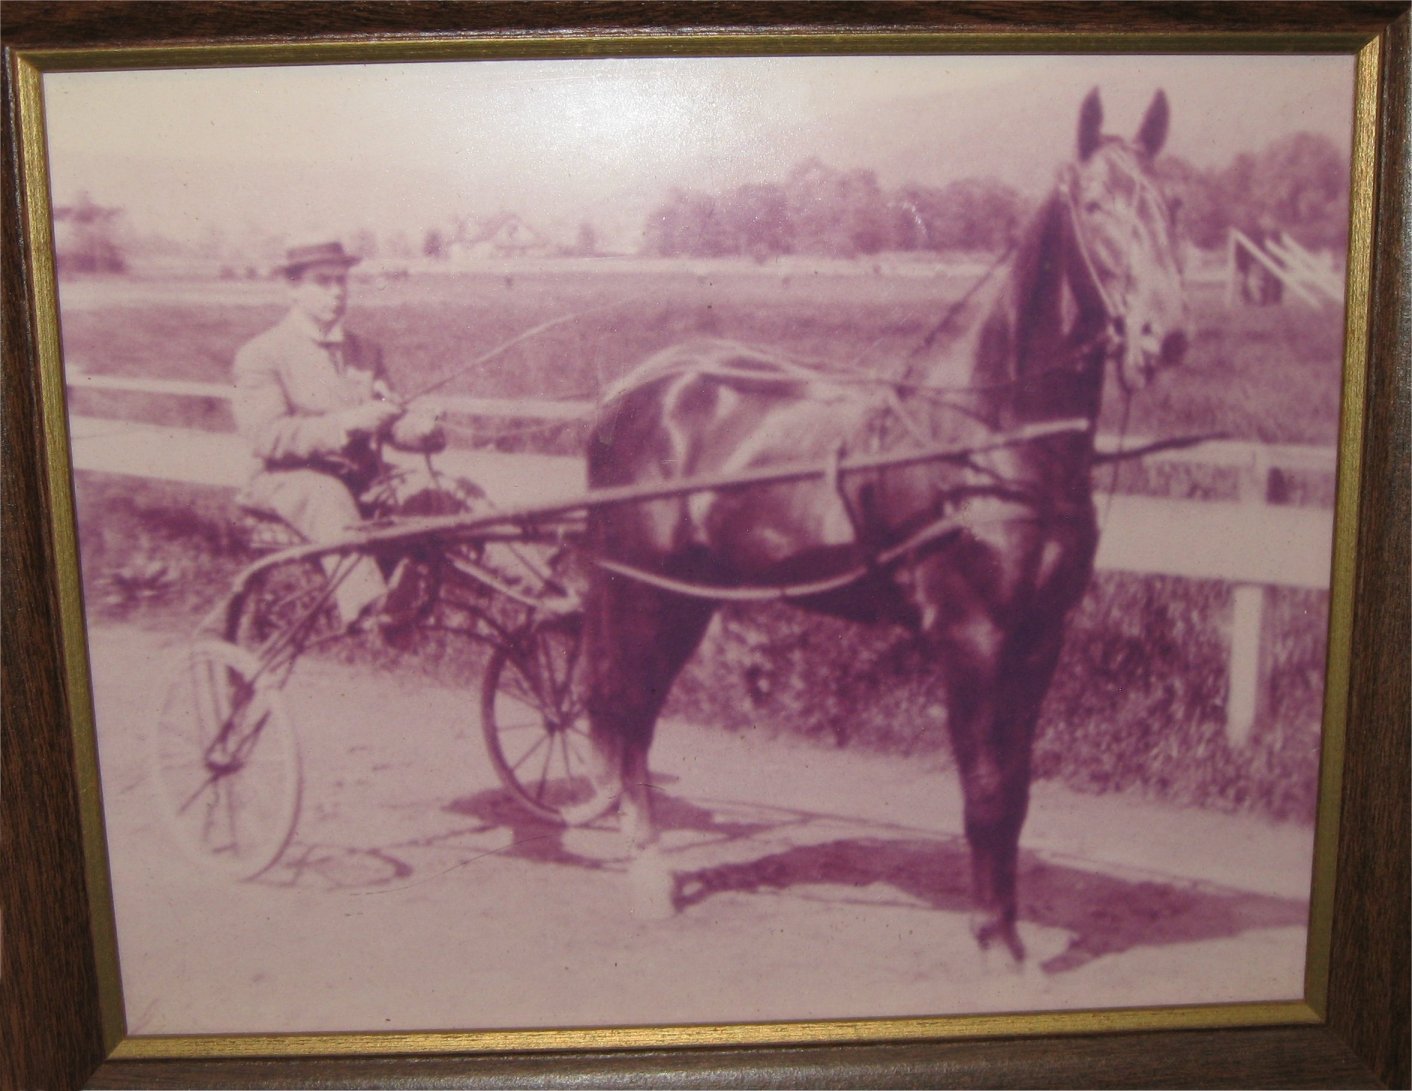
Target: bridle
column 1113, row 334
column 1066, row 186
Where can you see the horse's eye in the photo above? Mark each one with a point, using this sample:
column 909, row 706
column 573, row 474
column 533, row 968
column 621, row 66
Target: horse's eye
column 1092, row 208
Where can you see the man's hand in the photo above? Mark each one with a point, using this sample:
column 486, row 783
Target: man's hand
column 369, row 418
column 419, row 431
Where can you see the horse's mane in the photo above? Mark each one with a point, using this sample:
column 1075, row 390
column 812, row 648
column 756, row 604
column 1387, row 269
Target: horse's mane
column 1017, row 278
column 1034, row 306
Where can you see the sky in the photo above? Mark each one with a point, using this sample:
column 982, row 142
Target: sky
column 331, row 149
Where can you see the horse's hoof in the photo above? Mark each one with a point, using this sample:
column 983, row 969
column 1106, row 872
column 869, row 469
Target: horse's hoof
column 990, row 931
column 654, row 889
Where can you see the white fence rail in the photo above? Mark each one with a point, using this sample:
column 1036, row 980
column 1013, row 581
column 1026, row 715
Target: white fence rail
column 1249, row 543
column 1255, row 458
column 543, row 409
column 1284, row 259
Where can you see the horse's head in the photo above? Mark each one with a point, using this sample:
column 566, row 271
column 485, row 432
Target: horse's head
column 1125, row 241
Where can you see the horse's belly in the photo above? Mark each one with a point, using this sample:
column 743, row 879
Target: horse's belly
column 768, row 527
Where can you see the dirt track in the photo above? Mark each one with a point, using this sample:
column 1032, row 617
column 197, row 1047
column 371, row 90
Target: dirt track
column 812, row 884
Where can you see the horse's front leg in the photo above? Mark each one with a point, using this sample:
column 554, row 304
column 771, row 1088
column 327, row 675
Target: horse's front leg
column 995, row 786
column 997, row 681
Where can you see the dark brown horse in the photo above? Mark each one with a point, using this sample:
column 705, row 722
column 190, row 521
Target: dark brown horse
column 984, row 556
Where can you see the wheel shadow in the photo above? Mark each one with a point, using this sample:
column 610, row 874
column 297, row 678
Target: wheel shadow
column 543, row 841
column 363, row 868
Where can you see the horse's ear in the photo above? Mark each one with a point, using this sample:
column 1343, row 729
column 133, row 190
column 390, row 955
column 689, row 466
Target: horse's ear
column 1153, row 133
column 1090, row 125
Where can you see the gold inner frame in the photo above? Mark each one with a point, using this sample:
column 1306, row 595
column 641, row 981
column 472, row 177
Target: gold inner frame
column 29, row 69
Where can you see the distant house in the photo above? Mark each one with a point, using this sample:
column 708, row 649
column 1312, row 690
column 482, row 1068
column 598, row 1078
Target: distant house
column 85, row 238
column 502, row 236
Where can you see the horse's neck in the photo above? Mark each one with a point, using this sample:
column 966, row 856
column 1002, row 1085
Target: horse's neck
column 1055, row 363
column 1025, row 359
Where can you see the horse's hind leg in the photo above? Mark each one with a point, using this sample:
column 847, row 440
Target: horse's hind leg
column 636, row 640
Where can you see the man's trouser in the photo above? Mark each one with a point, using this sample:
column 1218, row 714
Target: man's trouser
column 321, row 507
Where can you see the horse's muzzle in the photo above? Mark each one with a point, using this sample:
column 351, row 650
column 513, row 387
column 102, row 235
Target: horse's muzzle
column 1173, row 349
column 1148, row 354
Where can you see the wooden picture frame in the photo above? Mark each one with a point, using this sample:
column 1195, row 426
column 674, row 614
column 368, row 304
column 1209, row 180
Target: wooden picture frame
column 54, row 1032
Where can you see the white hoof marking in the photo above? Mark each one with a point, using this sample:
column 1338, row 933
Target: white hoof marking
column 653, row 889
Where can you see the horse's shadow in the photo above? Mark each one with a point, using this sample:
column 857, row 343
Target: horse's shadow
column 1103, row 914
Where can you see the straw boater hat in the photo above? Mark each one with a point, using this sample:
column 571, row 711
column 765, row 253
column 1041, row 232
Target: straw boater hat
column 304, row 254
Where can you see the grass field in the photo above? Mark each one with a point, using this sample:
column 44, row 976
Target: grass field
column 1262, row 374
column 1139, row 700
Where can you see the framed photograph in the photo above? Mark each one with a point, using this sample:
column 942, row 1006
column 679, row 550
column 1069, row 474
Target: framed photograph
column 730, row 548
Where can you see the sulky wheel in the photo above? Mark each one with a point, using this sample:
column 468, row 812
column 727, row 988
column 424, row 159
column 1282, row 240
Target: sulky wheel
column 534, row 721
column 226, row 762
column 286, row 607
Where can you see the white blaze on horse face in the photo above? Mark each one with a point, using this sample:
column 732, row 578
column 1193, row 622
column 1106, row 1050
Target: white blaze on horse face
column 1127, row 229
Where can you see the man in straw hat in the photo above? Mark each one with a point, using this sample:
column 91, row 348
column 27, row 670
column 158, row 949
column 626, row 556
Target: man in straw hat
column 313, row 401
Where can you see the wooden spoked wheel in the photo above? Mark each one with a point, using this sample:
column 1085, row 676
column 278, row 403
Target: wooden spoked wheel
column 226, row 761
column 533, row 717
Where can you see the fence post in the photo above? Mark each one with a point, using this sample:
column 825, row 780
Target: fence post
column 1246, row 678
column 1232, row 275
column 1249, row 666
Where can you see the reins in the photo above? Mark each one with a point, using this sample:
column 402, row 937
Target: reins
column 501, row 349
column 957, row 306
column 937, row 531
column 1111, row 312
column 1109, row 338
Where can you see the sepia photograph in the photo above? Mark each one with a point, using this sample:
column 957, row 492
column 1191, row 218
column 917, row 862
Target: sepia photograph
column 623, row 542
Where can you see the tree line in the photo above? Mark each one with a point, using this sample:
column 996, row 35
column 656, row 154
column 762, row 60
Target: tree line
column 818, row 209
column 1297, row 184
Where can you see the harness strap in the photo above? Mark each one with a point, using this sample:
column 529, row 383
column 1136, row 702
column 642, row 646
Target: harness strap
column 946, row 527
column 734, row 594
column 833, row 478
column 1066, row 178
column 1175, row 443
